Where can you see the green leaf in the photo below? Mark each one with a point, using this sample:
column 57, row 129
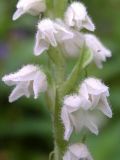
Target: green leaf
column 88, row 57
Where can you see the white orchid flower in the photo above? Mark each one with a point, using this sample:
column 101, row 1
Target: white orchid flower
column 100, row 52
column 96, row 92
column 78, row 151
column 76, row 114
column 79, row 110
column 76, row 16
column 34, row 7
column 50, row 33
column 28, row 80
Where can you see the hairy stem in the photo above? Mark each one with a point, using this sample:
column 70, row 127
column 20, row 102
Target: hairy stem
column 59, row 69
column 60, row 143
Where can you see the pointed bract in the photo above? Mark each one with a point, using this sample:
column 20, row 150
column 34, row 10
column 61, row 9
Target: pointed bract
column 28, row 80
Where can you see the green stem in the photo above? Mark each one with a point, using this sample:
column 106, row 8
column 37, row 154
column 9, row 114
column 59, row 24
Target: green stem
column 59, row 64
column 69, row 85
column 60, row 143
column 59, row 68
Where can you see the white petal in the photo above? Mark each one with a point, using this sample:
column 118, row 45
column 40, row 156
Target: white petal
column 95, row 86
column 39, row 84
column 104, row 107
column 95, row 100
column 91, row 126
column 77, row 151
column 69, row 17
column 80, row 150
column 67, row 124
column 75, row 102
column 83, row 91
column 76, row 15
column 72, row 46
column 63, row 32
column 33, row 7
column 88, row 24
column 51, row 37
column 18, row 13
column 47, row 30
column 19, row 91
column 100, row 52
column 40, row 45
column 26, row 73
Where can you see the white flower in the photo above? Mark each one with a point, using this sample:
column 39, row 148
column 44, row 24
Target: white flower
column 96, row 92
column 79, row 110
column 77, row 151
column 100, row 53
column 76, row 114
column 28, row 80
column 50, row 33
column 76, row 16
column 34, row 7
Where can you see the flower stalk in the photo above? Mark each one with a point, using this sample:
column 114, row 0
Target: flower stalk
column 71, row 109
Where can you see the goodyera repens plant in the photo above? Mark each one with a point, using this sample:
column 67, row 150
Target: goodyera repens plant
column 74, row 100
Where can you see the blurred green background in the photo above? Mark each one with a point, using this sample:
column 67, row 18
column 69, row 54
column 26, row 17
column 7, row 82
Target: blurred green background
column 25, row 126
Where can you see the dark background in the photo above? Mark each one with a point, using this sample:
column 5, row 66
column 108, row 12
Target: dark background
column 25, row 126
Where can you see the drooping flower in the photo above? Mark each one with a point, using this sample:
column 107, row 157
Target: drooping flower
column 78, row 151
column 76, row 16
column 50, row 33
column 34, row 7
column 96, row 92
column 100, row 52
column 28, row 80
column 79, row 110
column 76, row 114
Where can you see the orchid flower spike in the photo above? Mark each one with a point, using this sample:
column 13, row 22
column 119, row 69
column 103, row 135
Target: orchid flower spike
column 96, row 92
column 76, row 115
column 77, row 151
column 34, row 7
column 76, row 16
column 100, row 52
column 50, row 33
column 28, row 80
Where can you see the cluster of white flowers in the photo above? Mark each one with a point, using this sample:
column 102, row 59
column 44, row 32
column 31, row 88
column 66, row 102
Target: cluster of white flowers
column 79, row 109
